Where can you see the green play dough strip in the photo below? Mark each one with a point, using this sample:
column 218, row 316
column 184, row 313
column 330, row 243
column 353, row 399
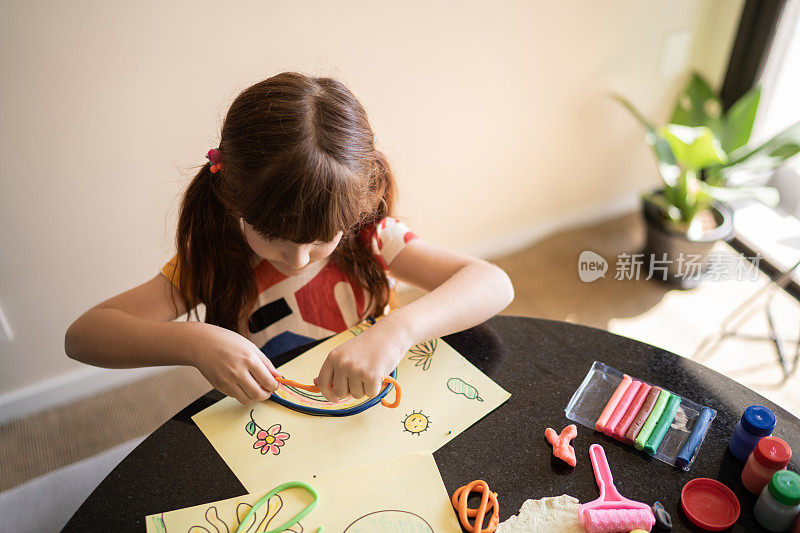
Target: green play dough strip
column 292, row 521
column 652, row 420
column 663, row 424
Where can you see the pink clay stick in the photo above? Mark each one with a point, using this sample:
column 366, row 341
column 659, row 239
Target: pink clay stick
column 608, row 410
column 627, row 419
column 622, row 407
column 612, row 403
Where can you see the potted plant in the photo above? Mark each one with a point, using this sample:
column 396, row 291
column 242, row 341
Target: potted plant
column 704, row 161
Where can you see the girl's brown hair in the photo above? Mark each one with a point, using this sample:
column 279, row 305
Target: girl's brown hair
column 298, row 163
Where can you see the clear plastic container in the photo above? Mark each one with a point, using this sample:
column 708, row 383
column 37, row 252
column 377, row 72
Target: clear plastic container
column 598, row 386
column 770, row 455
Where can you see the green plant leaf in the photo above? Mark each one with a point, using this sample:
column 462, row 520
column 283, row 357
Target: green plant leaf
column 687, row 196
column 756, row 169
column 665, row 159
column 713, row 175
column 785, row 151
column 693, row 147
column 738, row 122
column 251, row 427
column 766, row 195
column 755, row 165
column 697, row 105
column 778, row 147
column 635, row 112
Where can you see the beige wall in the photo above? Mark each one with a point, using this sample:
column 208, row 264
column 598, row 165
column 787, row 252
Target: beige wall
column 494, row 114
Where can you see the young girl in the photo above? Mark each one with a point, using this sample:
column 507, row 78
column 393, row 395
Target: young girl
column 286, row 236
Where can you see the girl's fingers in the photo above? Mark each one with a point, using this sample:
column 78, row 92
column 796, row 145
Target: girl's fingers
column 253, row 390
column 240, row 395
column 260, row 381
column 356, row 388
column 340, row 387
column 373, row 388
column 324, row 380
column 263, row 376
column 269, row 365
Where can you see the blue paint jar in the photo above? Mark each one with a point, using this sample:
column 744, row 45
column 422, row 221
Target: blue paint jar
column 757, row 421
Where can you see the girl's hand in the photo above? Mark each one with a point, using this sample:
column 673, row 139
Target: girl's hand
column 232, row 364
column 358, row 367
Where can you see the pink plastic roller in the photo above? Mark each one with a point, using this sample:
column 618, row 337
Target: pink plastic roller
column 611, row 512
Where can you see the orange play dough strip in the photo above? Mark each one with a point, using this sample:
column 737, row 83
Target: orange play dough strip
column 488, row 503
column 314, row 388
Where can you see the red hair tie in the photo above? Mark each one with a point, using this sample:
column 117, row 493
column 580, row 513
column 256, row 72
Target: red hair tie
column 213, row 158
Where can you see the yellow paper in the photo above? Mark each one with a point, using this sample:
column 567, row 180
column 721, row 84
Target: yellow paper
column 266, row 444
column 396, row 496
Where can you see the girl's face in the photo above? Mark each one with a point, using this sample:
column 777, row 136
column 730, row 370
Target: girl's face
column 288, row 258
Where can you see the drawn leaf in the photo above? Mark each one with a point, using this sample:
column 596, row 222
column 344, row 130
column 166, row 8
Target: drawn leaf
column 251, row 427
column 459, row 386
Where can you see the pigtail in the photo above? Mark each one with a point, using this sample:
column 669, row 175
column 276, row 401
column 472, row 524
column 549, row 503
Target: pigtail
column 354, row 255
column 385, row 185
column 213, row 257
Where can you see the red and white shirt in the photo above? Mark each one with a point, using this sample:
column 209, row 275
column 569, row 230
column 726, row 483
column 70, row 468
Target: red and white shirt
column 320, row 301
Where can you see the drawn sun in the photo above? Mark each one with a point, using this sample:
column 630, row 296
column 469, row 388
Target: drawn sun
column 416, row 422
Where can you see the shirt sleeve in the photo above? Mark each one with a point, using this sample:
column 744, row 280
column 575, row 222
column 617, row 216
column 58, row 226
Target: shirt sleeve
column 170, row 271
column 386, row 238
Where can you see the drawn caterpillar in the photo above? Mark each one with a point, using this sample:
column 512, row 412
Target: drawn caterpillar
column 459, row 386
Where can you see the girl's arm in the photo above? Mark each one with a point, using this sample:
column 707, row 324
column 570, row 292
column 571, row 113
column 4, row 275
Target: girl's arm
column 132, row 329
column 463, row 292
column 135, row 329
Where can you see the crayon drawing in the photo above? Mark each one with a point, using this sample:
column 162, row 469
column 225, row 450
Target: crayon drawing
column 416, row 422
column 422, row 353
column 210, row 519
column 390, row 521
column 268, row 440
column 459, row 386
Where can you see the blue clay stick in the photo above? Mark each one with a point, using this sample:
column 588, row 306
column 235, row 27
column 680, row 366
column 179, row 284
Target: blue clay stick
column 697, row 434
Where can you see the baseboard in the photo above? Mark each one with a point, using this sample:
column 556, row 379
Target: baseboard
column 91, row 380
column 521, row 238
column 68, row 387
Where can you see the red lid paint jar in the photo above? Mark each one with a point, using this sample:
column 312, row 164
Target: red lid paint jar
column 770, row 455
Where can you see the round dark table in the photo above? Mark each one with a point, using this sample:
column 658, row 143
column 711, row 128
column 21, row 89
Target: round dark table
column 541, row 363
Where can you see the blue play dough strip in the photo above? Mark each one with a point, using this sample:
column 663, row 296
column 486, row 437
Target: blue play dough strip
column 336, row 412
column 698, row 431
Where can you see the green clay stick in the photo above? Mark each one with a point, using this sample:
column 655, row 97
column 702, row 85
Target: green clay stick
column 663, row 424
column 652, row 420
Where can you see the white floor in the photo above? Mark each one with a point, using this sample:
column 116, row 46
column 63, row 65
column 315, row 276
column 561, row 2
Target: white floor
column 46, row 503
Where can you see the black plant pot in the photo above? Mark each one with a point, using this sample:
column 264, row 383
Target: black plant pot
column 674, row 252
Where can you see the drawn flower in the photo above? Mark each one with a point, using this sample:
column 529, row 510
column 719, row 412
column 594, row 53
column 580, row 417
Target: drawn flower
column 271, row 440
column 423, row 352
